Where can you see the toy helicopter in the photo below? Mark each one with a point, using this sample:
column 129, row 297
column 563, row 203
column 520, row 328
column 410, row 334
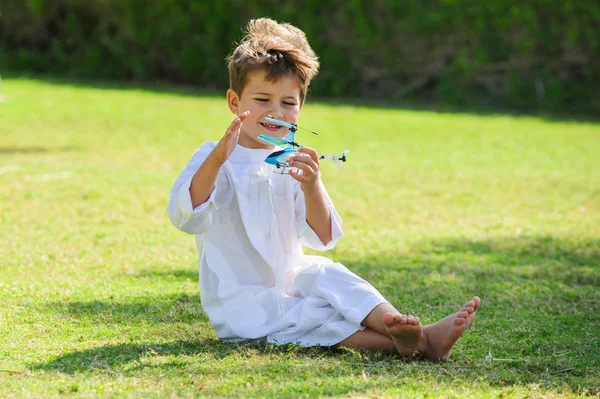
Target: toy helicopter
column 281, row 158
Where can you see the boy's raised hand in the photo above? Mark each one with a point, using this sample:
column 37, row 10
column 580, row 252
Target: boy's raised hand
column 227, row 144
column 306, row 160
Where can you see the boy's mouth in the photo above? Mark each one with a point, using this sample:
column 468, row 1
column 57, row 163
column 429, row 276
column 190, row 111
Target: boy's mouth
column 270, row 127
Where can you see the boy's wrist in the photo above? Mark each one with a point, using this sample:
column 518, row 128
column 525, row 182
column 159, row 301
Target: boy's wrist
column 215, row 159
column 311, row 189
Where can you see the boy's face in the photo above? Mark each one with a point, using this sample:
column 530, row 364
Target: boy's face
column 279, row 99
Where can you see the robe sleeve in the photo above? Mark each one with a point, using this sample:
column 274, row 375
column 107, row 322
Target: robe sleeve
column 181, row 213
column 306, row 235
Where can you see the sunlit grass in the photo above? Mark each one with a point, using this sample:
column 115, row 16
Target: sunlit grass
column 99, row 293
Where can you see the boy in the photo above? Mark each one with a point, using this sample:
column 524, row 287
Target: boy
column 250, row 223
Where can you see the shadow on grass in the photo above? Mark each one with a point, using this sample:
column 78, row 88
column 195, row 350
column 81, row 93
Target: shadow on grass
column 288, row 365
column 34, row 150
column 520, row 250
column 114, row 356
column 181, row 308
column 572, row 262
column 182, row 275
column 166, row 87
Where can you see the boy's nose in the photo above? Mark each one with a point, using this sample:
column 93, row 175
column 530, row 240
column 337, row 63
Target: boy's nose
column 276, row 112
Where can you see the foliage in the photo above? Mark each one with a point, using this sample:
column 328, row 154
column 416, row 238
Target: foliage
column 542, row 54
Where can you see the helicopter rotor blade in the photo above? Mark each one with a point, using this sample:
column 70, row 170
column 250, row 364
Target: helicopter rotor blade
column 273, row 140
column 279, row 142
column 281, row 123
column 311, row 131
column 288, row 125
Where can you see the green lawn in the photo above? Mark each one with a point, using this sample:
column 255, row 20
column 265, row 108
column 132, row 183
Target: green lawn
column 99, row 293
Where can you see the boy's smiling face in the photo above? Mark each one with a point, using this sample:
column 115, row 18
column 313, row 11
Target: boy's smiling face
column 279, row 99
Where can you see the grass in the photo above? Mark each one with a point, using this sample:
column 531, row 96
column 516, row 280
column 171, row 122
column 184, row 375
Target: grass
column 99, row 293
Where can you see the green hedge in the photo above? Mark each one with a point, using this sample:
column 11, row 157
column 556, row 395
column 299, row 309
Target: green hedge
column 540, row 54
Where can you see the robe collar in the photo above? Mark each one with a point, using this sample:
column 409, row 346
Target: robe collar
column 252, row 155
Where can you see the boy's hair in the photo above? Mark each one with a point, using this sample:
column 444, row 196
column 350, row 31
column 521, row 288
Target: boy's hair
column 279, row 49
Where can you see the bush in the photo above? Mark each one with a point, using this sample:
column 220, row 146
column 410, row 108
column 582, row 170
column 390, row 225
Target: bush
column 542, row 54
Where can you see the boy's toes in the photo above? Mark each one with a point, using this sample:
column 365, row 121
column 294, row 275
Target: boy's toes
column 468, row 308
column 389, row 320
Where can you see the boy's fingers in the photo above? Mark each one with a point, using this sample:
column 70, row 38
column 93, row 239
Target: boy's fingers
column 240, row 118
column 312, row 152
column 237, row 122
column 304, row 166
column 233, row 125
column 305, row 159
column 233, row 134
column 296, row 176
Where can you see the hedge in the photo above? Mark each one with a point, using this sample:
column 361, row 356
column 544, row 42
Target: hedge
column 535, row 55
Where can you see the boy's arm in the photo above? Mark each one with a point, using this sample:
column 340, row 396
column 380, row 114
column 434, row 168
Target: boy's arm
column 190, row 204
column 184, row 216
column 318, row 216
column 317, row 206
column 204, row 179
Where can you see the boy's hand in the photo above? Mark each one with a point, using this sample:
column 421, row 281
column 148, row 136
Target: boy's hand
column 308, row 161
column 227, row 144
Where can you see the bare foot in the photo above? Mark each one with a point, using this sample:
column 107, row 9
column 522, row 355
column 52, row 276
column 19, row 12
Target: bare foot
column 405, row 331
column 439, row 338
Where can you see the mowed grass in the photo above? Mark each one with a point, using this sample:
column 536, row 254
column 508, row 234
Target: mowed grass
column 99, row 293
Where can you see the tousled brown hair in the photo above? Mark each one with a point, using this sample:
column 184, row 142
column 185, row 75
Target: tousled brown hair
column 280, row 49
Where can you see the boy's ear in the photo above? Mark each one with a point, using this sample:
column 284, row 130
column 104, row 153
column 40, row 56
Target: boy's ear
column 233, row 101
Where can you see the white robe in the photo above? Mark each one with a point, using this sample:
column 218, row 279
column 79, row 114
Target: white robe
column 255, row 281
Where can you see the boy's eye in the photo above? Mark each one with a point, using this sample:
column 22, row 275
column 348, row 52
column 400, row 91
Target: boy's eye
column 263, row 100
column 289, row 103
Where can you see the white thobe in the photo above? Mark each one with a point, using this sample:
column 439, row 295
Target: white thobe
column 255, row 281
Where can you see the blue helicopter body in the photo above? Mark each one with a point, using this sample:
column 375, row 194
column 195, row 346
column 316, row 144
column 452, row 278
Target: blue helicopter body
column 281, row 158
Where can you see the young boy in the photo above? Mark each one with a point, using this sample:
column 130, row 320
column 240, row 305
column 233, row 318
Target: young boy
column 250, row 223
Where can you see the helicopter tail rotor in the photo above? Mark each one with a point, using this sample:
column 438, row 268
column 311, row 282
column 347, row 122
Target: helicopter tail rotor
column 343, row 156
column 336, row 158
